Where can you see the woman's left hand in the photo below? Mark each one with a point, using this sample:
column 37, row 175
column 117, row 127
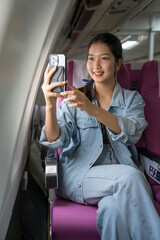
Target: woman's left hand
column 78, row 99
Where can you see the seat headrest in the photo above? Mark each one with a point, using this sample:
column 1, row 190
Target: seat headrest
column 150, row 78
column 77, row 73
column 123, row 77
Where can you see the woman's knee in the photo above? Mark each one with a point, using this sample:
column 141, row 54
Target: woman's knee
column 107, row 206
column 134, row 180
column 131, row 175
column 107, row 212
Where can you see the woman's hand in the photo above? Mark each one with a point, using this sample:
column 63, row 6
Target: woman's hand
column 78, row 99
column 50, row 97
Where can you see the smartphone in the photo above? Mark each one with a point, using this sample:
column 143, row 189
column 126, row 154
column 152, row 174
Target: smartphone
column 58, row 60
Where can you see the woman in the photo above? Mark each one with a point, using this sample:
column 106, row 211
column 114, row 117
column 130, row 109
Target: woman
column 97, row 127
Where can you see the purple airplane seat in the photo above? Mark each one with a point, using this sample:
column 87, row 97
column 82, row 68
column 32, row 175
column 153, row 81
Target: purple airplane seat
column 150, row 91
column 145, row 77
column 74, row 221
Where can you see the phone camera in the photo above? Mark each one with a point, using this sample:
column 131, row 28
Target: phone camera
column 54, row 60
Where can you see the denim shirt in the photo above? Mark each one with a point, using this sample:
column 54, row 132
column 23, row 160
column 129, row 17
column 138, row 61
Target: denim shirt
column 82, row 141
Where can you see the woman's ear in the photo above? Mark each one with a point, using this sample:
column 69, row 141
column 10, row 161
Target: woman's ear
column 119, row 64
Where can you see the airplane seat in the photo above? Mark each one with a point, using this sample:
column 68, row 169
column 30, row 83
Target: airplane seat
column 150, row 90
column 70, row 220
column 73, row 221
column 145, row 78
column 124, row 77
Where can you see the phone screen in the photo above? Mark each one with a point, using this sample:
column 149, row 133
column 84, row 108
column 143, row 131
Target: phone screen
column 58, row 60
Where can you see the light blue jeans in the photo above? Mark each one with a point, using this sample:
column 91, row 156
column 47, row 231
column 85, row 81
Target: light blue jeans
column 124, row 199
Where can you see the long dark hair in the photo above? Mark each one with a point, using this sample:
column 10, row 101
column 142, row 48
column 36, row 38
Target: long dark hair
column 116, row 48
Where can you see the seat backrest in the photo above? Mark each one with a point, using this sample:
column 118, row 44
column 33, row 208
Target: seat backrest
column 145, row 77
column 124, row 77
column 149, row 89
column 77, row 73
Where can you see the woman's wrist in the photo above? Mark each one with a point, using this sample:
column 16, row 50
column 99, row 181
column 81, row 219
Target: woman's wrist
column 50, row 107
column 94, row 111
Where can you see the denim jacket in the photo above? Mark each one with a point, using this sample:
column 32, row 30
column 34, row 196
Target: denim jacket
column 82, row 141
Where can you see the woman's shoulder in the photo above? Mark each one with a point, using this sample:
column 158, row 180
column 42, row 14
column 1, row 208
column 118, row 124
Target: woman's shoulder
column 131, row 93
column 127, row 94
column 132, row 96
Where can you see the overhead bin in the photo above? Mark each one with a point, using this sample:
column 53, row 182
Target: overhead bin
column 92, row 17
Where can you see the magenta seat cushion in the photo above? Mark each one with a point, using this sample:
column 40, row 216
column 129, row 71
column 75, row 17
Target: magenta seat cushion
column 71, row 221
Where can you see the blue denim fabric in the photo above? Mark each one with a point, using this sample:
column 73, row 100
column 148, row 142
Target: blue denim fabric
column 107, row 156
column 124, row 199
column 82, row 141
column 107, row 176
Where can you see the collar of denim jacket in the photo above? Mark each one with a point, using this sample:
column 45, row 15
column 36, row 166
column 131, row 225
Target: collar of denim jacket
column 117, row 97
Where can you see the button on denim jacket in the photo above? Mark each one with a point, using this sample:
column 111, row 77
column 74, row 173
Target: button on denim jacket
column 82, row 141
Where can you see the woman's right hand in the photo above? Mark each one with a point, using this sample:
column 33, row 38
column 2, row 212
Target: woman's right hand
column 50, row 97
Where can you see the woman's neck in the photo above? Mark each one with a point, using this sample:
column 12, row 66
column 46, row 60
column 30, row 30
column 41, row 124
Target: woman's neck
column 105, row 91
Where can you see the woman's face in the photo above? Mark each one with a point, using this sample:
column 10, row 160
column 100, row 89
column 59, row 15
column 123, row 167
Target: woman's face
column 101, row 63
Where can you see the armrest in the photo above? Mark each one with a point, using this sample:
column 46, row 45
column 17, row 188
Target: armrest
column 150, row 163
column 152, row 156
column 51, row 171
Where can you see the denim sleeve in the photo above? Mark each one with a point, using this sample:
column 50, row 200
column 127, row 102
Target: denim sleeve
column 67, row 129
column 132, row 122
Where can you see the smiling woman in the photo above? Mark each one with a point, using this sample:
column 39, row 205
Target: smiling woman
column 98, row 123
column 102, row 65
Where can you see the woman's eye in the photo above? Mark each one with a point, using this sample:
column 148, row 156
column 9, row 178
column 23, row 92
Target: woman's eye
column 104, row 58
column 90, row 59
